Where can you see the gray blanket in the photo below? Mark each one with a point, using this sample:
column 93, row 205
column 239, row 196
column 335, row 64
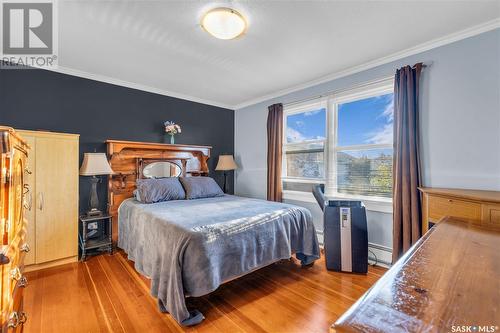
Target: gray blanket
column 190, row 247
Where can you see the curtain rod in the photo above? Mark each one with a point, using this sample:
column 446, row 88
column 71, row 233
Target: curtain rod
column 331, row 92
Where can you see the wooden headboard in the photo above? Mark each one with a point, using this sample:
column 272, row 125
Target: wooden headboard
column 124, row 157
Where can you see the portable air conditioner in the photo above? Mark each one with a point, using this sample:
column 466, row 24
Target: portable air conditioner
column 345, row 234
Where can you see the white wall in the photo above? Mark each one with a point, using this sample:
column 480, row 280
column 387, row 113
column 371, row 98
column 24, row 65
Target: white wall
column 460, row 123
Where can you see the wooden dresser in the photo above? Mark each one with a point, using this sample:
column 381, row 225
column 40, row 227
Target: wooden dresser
column 13, row 191
column 447, row 282
column 481, row 207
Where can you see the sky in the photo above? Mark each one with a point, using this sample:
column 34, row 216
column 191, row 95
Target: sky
column 304, row 126
column 360, row 122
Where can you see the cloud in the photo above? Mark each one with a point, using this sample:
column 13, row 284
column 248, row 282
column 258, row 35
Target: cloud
column 311, row 113
column 383, row 135
column 389, row 110
column 299, row 123
column 292, row 135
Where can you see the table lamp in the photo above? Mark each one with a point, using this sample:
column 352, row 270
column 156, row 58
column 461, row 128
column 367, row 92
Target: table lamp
column 95, row 164
column 226, row 163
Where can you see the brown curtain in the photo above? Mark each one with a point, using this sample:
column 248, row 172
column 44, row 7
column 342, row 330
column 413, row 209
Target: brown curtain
column 274, row 147
column 406, row 196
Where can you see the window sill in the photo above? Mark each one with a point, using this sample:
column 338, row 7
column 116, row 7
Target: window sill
column 382, row 205
column 302, row 180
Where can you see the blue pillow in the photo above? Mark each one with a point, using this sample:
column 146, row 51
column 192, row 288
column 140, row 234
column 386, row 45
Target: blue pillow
column 201, row 187
column 157, row 190
column 137, row 195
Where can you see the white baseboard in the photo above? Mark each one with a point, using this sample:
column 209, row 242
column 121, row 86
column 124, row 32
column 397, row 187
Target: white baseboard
column 377, row 254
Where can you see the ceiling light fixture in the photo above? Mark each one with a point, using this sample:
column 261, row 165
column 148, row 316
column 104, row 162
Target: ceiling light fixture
column 224, row 23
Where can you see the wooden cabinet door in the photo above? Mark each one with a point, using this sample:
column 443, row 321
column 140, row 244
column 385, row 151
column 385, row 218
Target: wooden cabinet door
column 491, row 213
column 56, row 198
column 29, row 212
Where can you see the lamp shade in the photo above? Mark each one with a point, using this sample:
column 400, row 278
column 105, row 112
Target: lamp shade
column 95, row 164
column 226, row 162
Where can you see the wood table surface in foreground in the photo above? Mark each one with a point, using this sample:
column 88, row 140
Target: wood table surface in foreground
column 449, row 281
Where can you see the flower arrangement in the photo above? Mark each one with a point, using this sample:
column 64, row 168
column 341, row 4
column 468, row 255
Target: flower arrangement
column 172, row 129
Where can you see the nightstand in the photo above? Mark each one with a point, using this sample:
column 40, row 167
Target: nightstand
column 95, row 235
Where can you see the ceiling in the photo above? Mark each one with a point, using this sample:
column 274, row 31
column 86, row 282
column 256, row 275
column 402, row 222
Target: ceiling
column 159, row 45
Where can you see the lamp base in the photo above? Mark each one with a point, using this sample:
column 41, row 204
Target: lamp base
column 94, row 199
column 225, row 182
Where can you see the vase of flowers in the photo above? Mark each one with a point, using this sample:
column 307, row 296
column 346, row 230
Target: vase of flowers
column 172, row 129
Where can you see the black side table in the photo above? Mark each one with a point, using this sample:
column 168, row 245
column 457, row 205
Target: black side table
column 97, row 238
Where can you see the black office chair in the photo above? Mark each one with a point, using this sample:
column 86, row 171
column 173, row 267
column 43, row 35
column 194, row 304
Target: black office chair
column 319, row 194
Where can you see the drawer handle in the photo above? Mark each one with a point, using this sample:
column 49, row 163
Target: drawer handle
column 23, row 282
column 16, row 319
column 15, row 274
column 28, row 200
column 25, row 248
column 23, row 317
column 40, row 201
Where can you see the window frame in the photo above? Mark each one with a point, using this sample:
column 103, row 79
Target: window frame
column 367, row 91
column 311, row 105
column 330, row 146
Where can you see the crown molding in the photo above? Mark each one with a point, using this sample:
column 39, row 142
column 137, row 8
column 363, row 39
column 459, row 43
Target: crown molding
column 448, row 39
column 137, row 86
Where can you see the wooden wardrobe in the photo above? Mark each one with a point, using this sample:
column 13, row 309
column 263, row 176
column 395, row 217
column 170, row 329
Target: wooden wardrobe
column 53, row 217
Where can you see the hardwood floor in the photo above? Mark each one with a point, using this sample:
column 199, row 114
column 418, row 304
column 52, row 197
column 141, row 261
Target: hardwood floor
column 105, row 294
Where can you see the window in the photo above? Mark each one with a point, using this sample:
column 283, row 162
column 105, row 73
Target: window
column 363, row 143
column 357, row 128
column 304, row 144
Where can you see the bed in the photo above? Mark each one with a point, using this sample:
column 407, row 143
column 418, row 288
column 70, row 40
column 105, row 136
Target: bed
column 190, row 247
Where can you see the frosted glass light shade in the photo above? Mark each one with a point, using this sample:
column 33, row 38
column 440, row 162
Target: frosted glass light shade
column 95, row 164
column 224, row 23
column 226, row 162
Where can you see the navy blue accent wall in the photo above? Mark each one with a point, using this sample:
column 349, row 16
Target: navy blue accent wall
column 44, row 100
